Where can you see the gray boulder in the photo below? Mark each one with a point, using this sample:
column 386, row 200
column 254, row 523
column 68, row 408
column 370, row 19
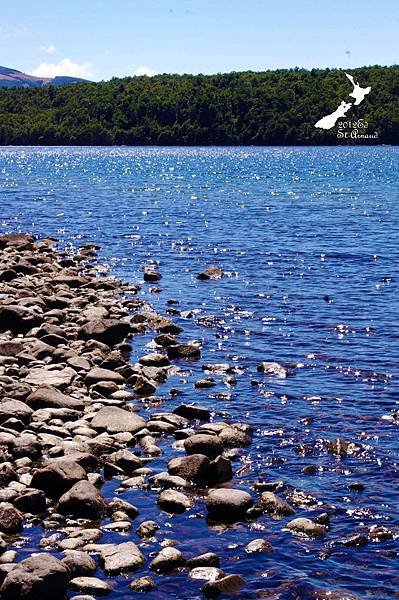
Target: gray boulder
column 228, row 505
column 14, row 408
column 167, row 559
column 10, row 518
column 113, row 419
column 58, row 476
column 271, row 503
column 82, row 500
column 47, row 396
column 119, row 558
column 42, row 576
column 306, row 527
column 107, row 331
column 173, row 501
column 209, row 445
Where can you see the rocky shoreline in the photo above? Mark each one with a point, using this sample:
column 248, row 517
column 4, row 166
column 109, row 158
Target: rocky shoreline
column 75, row 414
column 68, row 423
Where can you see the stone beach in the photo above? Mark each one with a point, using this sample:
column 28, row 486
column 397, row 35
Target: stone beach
column 76, row 414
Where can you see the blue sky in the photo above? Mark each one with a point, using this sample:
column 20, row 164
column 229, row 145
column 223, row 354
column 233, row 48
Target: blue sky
column 99, row 39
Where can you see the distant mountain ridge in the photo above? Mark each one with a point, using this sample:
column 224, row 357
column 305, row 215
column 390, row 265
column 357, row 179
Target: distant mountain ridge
column 10, row 78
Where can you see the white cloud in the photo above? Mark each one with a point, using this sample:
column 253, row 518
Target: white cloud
column 64, row 67
column 49, row 49
column 143, row 70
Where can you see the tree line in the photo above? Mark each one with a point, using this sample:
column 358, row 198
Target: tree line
column 240, row 108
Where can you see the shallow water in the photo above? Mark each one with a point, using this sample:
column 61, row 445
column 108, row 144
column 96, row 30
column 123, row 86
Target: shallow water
column 309, row 238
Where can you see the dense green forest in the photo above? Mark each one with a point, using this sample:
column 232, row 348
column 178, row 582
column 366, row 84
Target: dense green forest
column 273, row 107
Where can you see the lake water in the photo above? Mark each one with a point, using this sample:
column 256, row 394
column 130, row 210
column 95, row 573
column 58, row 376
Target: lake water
column 309, row 237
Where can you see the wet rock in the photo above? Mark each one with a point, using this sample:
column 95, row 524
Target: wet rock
column 210, row 273
column 10, row 518
column 220, row 470
column 167, row 559
column 174, row 502
column 205, row 383
column 206, row 573
column 82, row 500
column 352, row 541
column 184, row 351
column 306, row 527
column 58, row 476
column 113, row 419
column 340, row 447
column 97, row 374
column 165, row 340
column 192, row 412
column 154, row 360
column 209, row 559
column 47, row 396
column 79, row 564
column 91, row 585
column 42, row 576
column 272, row 369
column 356, row 487
column 225, row 585
column 143, row 584
column 143, row 386
column 209, row 445
column 120, row 558
column 228, row 505
column 166, row 481
column 127, row 461
column 107, row 331
column 258, row 545
column 273, row 504
column 380, row 533
column 193, row 468
column 234, row 438
column 147, row 529
column 152, row 275
column 15, row 408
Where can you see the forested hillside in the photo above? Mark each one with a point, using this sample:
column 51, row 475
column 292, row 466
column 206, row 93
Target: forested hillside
column 272, row 107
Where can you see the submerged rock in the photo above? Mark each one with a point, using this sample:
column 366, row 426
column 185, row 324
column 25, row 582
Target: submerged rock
column 210, row 273
column 143, row 584
column 272, row 368
column 225, row 585
column 306, row 527
column 258, row 545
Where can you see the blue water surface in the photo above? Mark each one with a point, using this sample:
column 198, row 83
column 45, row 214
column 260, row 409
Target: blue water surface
column 309, row 238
